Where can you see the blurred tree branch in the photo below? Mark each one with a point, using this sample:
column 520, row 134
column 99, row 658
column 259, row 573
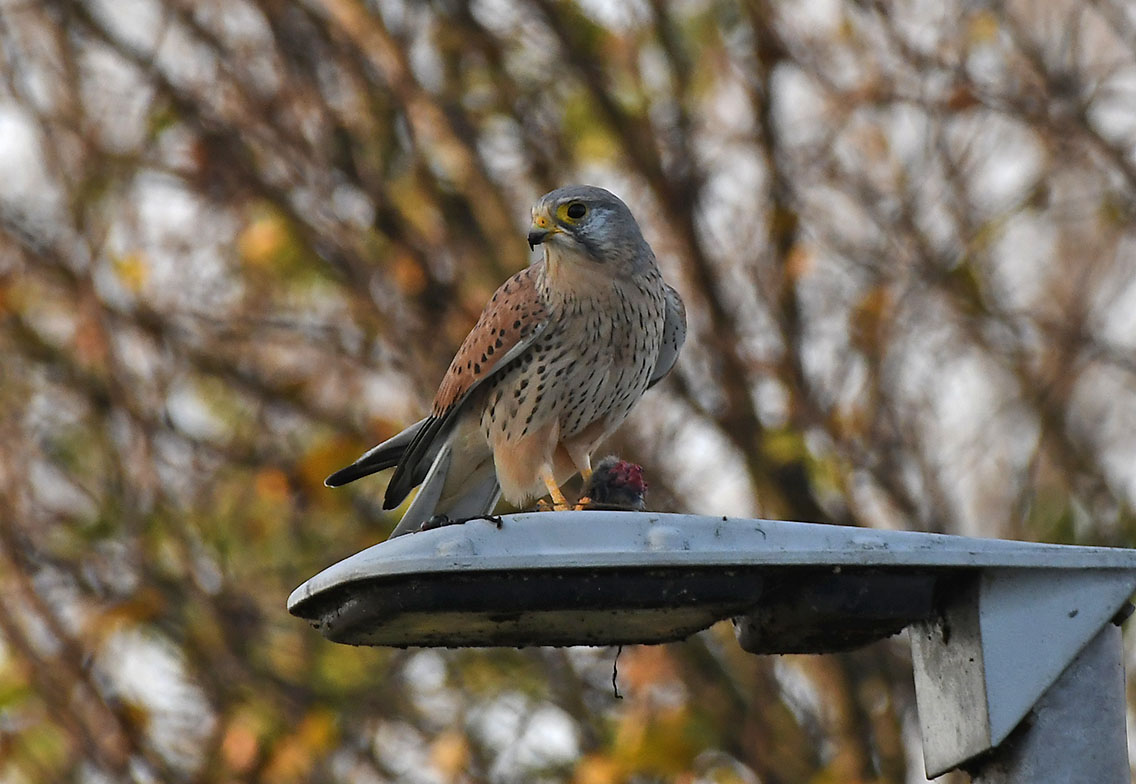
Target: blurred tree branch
column 240, row 241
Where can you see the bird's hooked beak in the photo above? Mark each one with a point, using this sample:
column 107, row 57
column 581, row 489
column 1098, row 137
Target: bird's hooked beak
column 541, row 229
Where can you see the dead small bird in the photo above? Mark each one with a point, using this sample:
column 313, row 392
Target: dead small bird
column 615, row 485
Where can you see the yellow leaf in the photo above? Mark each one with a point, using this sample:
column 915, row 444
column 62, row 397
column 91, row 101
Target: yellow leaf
column 785, row 446
column 290, row 761
column 982, row 27
column 408, row 274
column 271, row 485
column 646, row 665
column 263, row 241
column 326, row 456
column 418, row 208
column 133, row 270
column 449, row 754
column 597, row 769
column 317, row 731
column 662, row 742
column 239, row 747
column 294, row 756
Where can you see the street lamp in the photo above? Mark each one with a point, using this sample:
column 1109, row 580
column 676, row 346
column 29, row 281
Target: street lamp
column 1016, row 646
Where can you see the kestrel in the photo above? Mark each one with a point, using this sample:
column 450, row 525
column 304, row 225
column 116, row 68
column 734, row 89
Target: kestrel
column 559, row 356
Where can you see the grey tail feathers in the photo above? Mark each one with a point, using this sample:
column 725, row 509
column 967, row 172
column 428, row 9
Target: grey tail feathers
column 386, row 455
column 478, row 501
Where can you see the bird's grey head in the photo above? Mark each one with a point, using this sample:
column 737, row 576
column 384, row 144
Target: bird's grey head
column 590, row 221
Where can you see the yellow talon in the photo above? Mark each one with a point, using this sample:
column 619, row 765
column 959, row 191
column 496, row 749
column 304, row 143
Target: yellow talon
column 559, row 502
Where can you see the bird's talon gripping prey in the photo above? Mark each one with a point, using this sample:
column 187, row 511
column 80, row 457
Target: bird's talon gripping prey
column 559, row 356
column 584, row 503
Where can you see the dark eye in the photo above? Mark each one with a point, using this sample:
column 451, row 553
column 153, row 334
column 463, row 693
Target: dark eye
column 576, row 210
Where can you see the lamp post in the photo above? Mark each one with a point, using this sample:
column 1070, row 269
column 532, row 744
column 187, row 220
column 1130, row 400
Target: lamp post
column 1018, row 661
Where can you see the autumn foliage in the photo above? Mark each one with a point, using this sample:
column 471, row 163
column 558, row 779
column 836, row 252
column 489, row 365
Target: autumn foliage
column 239, row 242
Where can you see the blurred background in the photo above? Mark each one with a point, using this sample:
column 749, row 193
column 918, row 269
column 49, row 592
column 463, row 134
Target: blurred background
column 240, row 241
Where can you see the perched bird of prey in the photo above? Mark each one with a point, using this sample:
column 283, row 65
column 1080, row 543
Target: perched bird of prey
column 559, row 356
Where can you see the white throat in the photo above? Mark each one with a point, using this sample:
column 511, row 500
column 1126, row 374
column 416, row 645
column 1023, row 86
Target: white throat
column 570, row 272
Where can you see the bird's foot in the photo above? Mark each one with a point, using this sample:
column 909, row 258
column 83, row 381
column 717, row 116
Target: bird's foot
column 559, row 502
